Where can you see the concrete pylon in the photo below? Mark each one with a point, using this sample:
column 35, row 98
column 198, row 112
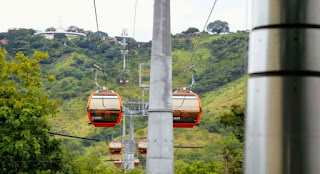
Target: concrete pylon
column 283, row 99
column 160, row 125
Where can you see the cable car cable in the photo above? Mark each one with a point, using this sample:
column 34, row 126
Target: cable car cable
column 197, row 44
column 53, row 161
column 134, row 21
column 189, row 147
column 71, row 136
column 109, row 160
column 99, row 40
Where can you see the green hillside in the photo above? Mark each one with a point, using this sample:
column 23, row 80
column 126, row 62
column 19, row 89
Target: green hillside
column 220, row 82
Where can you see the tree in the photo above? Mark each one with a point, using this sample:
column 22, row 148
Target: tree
column 59, row 36
column 191, row 30
column 51, row 29
column 102, row 35
column 235, row 121
column 75, row 29
column 218, row 27
column 21, row 32
column 198, row 167
column 24, row 110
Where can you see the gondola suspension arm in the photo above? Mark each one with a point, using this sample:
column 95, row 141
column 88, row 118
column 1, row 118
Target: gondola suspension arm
column 97, row 68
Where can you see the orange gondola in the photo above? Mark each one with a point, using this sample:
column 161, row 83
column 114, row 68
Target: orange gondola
column 142, row 147
column 186, row 109
column 117, row 163
column 136, row 162
column 115, row 147
column 104, row 108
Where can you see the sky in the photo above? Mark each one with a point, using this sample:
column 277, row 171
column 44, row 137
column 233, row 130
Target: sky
column 114, row 15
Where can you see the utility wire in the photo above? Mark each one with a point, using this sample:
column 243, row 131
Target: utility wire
column 92, row 139
column 134, row 21
column 71, row 136
column 197, row 44
column 53, row 161
column 189, row 147
column 99, row 40
column 110, row 160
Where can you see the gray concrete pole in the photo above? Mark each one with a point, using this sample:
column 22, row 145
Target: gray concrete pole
column 131, row 144
column 283, row 99
column 124, row 33
column 124, row 150
column 160, row 127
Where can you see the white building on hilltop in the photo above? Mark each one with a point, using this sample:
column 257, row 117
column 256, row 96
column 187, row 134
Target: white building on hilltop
column 50, row 34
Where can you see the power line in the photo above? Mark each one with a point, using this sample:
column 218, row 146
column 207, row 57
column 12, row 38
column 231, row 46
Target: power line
column 53, row 161
column 71, row 136
column 110, row 160
column 197, row 44
column 99, row 40
column 134, row 21
column 189, row 147
column 92, row 139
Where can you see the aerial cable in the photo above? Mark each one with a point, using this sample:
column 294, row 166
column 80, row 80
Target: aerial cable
column 189, row 147
column 134, row 20
column 53, row 161
column 197, row 44
column 110, row 160
column 99, row 40
column 133, row 36
column 71, row 136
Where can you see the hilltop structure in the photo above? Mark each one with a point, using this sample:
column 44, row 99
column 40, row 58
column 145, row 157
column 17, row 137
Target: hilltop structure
column 69, row 34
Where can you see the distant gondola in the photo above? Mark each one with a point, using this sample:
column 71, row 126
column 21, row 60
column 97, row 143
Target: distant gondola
column 186, row 109
column 117, row 163
column 115, row 147
column 104, row 108
column 136, row 162
column 142, row 147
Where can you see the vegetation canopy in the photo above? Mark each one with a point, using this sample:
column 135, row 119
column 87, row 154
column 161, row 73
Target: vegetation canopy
column 24, row 111
column 31, row 83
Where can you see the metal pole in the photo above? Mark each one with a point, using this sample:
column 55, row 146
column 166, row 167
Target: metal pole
column 283, row 112
column 124, row 156
column 143, row 105
column 160, row 127
column 131, row 144
column 124, row 34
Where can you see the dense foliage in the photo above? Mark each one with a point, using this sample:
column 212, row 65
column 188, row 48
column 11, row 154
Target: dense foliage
column 24, row 111
column 191, row 30
column 227, row 63
column 219, row 60
column 218, row 27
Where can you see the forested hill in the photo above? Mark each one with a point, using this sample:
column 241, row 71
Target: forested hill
column 220, row 67
column 220, row 59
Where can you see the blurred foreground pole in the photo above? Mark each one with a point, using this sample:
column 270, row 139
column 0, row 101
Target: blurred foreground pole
column 160, row 126
column 283, row 100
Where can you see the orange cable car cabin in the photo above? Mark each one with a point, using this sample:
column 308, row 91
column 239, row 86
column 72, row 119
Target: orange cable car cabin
column 117, row 163
column 136, row 162
column 186, row 109
column 104, row 109
column 115, row 147
column 142, row 147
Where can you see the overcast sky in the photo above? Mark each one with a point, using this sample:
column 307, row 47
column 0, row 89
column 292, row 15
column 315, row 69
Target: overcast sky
column 113, row 15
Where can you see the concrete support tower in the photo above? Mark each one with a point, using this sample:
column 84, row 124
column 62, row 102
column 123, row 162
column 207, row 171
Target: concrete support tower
column 124, row 150
column 283, row 100
column 160, row 126
column 131, row 144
